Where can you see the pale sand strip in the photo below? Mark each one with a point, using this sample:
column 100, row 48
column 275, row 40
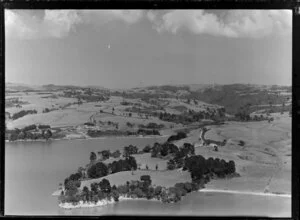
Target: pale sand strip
column 103, row 202
column 244, row 192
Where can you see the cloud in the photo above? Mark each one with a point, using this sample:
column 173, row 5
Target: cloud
column 230, row 23
column 59, row 23
column 233, row 23
column 19, row 26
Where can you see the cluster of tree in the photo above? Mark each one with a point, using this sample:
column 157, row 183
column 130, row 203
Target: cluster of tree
column 41, row 126
column 34, row 127
column 101, row 169
column 244, row 116
column 88, row 96
column 46, row 110
column 142, row 95
column 99, row 133
column 147, row 132
column 23, row 113
column 116, row 154
column 163, row 149
column 130, row 125
column 141, row 112
column 122, row 165
column 29, row 127
column 178, row 161
column 73, row 180
column 170, row 88
column 97, row 191
column 20, row 134
column 198, row 166
column 104, row 155
column 142, row 188
column 89, row 124
column 218, row 143
column 152, row 125
column 178, row 136
column 191, row 116
column 129, row 150
column 126, row 103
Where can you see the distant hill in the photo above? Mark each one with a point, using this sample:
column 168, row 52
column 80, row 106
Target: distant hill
column 233, row 97
column 20, row 87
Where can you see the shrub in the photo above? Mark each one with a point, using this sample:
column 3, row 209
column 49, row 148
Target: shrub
column 242, row 143
column 147, row 149
column 29, row 127
column 89, row 124
column 23, row 113
column 116, row 154
column 44, row 127
column 171, row 165
column 178, row 136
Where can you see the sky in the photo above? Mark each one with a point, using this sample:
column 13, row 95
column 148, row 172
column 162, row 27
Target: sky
column 130, row 48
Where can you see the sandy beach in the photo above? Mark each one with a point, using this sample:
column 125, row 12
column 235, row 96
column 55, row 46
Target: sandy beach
column 102, row 202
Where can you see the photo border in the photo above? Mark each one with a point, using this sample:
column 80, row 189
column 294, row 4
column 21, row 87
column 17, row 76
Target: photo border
column 159, row 4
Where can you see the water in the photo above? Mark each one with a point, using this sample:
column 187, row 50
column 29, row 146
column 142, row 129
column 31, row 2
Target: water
column 34, row 170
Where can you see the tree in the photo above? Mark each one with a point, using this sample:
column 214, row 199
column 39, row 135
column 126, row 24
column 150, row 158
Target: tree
column 145, row 178
column 71, row 188
column 231, row 166
column 171, row 165
column 81, row 171
column 116, row 154
column 157, row 190
column 105, row 186
column 94, row 187
column 97, row 170
column 147, row 149
column 188, row 187
column 47, row 134
column 123, row 189
column 115, row 195
column 93, row 157
column 22, row 135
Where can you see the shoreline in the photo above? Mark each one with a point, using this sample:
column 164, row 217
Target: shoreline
column 105, row 202
column 89, row 138
column 102, row 202
column 207, row 190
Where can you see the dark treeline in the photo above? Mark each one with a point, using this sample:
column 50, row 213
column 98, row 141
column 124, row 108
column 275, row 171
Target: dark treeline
column 178, row 136
column 23, row 113
column 100, row 169
column 198, row 166
column 201, row 171
column 164, row 149
column 30, row 132
column 147, row 132
column 191, row 116
column 142, row 188
column 152, row 125
column 98, row 133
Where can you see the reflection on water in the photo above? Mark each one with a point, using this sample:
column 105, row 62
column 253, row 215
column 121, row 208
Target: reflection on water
column 34, row 170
